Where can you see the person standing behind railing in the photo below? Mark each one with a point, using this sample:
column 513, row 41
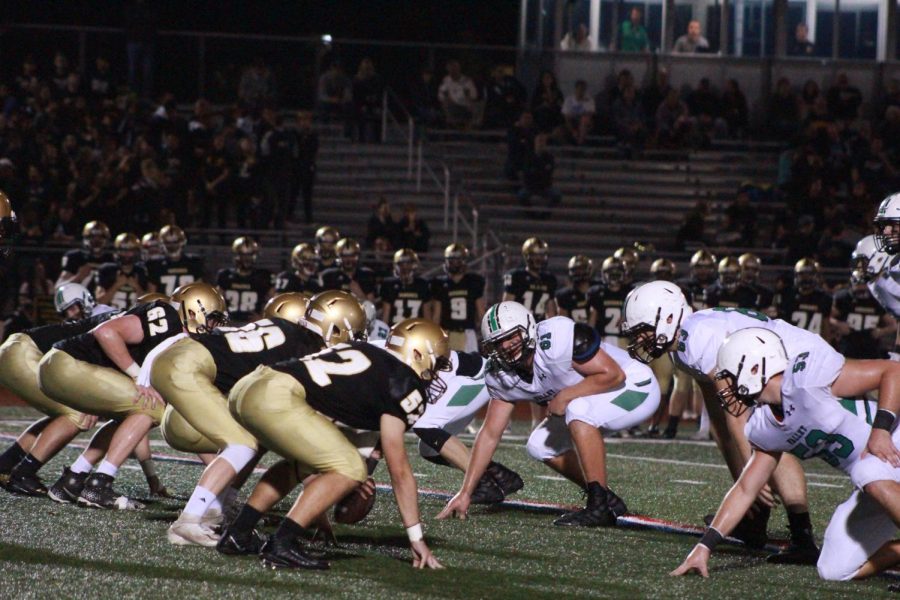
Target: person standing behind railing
column 368, row 89
column 633, row 34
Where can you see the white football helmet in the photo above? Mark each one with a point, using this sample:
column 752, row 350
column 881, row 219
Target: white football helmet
column 746, row 361
column 888, row 215
column 501, row 323
column 70, row 294
column 867, row 260
column 653, row 315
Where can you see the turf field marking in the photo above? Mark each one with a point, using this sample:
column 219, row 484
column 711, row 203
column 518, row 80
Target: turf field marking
column 691, row 482
column 551, row 477
column 824, row 485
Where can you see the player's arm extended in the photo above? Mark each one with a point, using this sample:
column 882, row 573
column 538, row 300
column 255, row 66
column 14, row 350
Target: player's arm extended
column 860, row 376
column 114, row 337
column 733, row 508
column 499, row 413
column 601, row 374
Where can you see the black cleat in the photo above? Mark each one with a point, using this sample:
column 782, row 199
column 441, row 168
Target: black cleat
column 596, row 512
column 288, row 554
column 894, row 588
column 239, row 543
column 25, row 484
column 669, row 434
column 487, row 492
column 507, row 480
column 68, row 487
column 615, row 504
column 750, row 530
column 795, row 555
column 99, row 493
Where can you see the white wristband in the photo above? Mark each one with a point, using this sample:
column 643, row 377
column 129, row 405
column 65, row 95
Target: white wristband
column 415, row 533
column 133, row 370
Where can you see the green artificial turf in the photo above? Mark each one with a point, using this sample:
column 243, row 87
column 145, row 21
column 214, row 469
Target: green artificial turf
column 51, row 550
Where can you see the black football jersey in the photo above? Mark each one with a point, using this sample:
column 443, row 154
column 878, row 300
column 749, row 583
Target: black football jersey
column 863, row 315
column 159, row 321
column 533, row 291
column 238, row 350
column 693, row 292
column 356, row 383
column 457, row 298
column 75, row 259
column 608, row 305
column 126, row 296
column 742, row 297
column 806, row 311
column 765, row 296
column 337, row 279
column 244, row 294
column 288, row 281
column 323, row 266
column 575, row 303
column 406, row 301
column 44, row 337
column 168, row 275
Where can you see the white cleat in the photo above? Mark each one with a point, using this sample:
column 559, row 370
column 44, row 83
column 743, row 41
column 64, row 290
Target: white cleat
column 191, row 531
column 213, row 518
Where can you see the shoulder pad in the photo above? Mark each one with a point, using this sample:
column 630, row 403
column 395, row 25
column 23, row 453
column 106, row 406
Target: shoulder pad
column 470, row 364
column 585, row 344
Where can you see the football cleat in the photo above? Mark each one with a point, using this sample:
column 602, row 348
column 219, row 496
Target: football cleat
column 288, row 554
column 507, row 480
column 749, row 530
column 615, row 504
column 190, row 530
column 99, row 493
column 487, row 492
column 807, row 554
column 25, row 484
column 238, row 543
column 596, row 512
column 68, row 487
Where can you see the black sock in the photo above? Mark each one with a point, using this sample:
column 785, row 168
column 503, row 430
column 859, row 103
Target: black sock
column 288, row 530
column 438, row 460
column 801, row 527
column 246, row 519
column 29, row 465
column 673, row 423
column 11, row 457
column 597, row 493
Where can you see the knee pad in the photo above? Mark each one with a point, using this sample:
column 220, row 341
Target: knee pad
column 238, row 456
column 435, row 438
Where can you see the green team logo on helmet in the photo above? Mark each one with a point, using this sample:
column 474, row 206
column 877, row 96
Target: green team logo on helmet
column 493, row 323
column 59, row 296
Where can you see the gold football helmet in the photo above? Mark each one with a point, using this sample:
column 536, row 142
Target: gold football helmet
column 612, row 271
column 406, row 263
column 336, row 316
column 629, row 256
column 201, row 306
column 95, row 236
column 425, row 347
column 173, row 241
column 290, row 306
column 703, row 266
column 536, row 253
column 304, row 259
column 326, row 239
column 751, row 266
column 663, row 269
column 151, row 297
column 455, row 257
column 246, row 251
column 581, row 268
column 806, row 275
column 151, row 248
column 729, row 273
column 7, row 217
column 128, row 248
column 348, row 251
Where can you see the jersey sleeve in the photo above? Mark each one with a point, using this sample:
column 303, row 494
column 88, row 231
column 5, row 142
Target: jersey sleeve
column 157, row 318
column 510, row 284
column 106, row 276
column 701, row 346
column 142, row 275
column 816, row 368
column 222, row 279
column 470, row 364
column 366, row 281
column 72, row 261
column 556, row 339
column 552, row 284
column 755, row 430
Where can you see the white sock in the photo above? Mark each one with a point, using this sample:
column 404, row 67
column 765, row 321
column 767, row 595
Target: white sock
column 81, row 465
column 107, row 468
column 200, row 501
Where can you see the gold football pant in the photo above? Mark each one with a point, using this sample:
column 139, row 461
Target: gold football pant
column 181, row 435
column 19, row 359
column 183, row 375
column 663, row 369
column 101, row 391
column 272, row 406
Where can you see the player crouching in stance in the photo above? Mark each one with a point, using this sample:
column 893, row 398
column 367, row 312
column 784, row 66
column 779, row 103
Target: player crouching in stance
column 591, row 387
column 797, row 409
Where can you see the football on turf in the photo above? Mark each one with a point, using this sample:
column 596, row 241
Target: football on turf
column 357, row 504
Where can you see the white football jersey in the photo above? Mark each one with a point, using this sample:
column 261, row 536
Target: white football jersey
column 886, row 287
column 552, row 369
column 816, row 423
column 703, row 333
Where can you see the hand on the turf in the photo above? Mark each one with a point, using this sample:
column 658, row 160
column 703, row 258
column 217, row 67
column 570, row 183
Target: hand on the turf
column 881, row 445
column 457, row 506
column 147, row 397
column 422, row 556
column 696, row 562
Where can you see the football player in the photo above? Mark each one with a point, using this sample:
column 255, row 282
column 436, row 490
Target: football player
column 304, row 276
column 176, row 268
column 532, row 285
column 80, row 265
column 751, row 267
column 659, row 320
column 663, row 269
column 348, row 275
column 291, row 408
column 703, row 275
column 606, row 300
column 194, row 375
column 798, row 411
column 806, row 304
column 589, row 386
column 886, row 286
column 729, row 291
column 245, row 287
column 405, row 295
column 458, row 299
column 858, row 321
column 631, row 258
column 96, row 373
column 19, row 358
column 151, row 248
column 326, row 240
column 120, row 283
column 572, row 301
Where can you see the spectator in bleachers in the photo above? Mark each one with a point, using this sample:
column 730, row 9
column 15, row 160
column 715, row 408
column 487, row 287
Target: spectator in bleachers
column 423, row 95
column 843, row 99
column 307, row 151
column 381, row 224
column 673, row 122
column 577, row 40
column 257, row 85
column 739, row 228
column 705, row 108
column 654, row 93
column 692, row 41
column 61, row 71
column 278, row 155
column 333, row 95
column 100, row 80
column 248, row 187
column 504, row 98
column 693, row 227
column 802, row 240
column 784, row 111
column 28, row 81
column 633, row 34
column 63, row 227
column 538, row 175
column 412, row 232
column 835, row 245
column 36, row 295
column 873, row 166
column 368, row 88
column 578, row 110
column 808, row 96
column 735, row 110
column 215, row 184
column 546, row 103
column 141, row 21
column 801, row 45
column 890, row 129
column 458, row 97
column 519, row 146
column 629, row 122
column 31, row 232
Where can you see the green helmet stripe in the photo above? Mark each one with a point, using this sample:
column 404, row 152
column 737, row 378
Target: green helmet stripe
column 492, row 319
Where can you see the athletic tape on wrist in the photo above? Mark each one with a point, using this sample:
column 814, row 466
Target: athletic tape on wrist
column 884, row 419
column 711, row 538
column 133, row 370
column 415, row 533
